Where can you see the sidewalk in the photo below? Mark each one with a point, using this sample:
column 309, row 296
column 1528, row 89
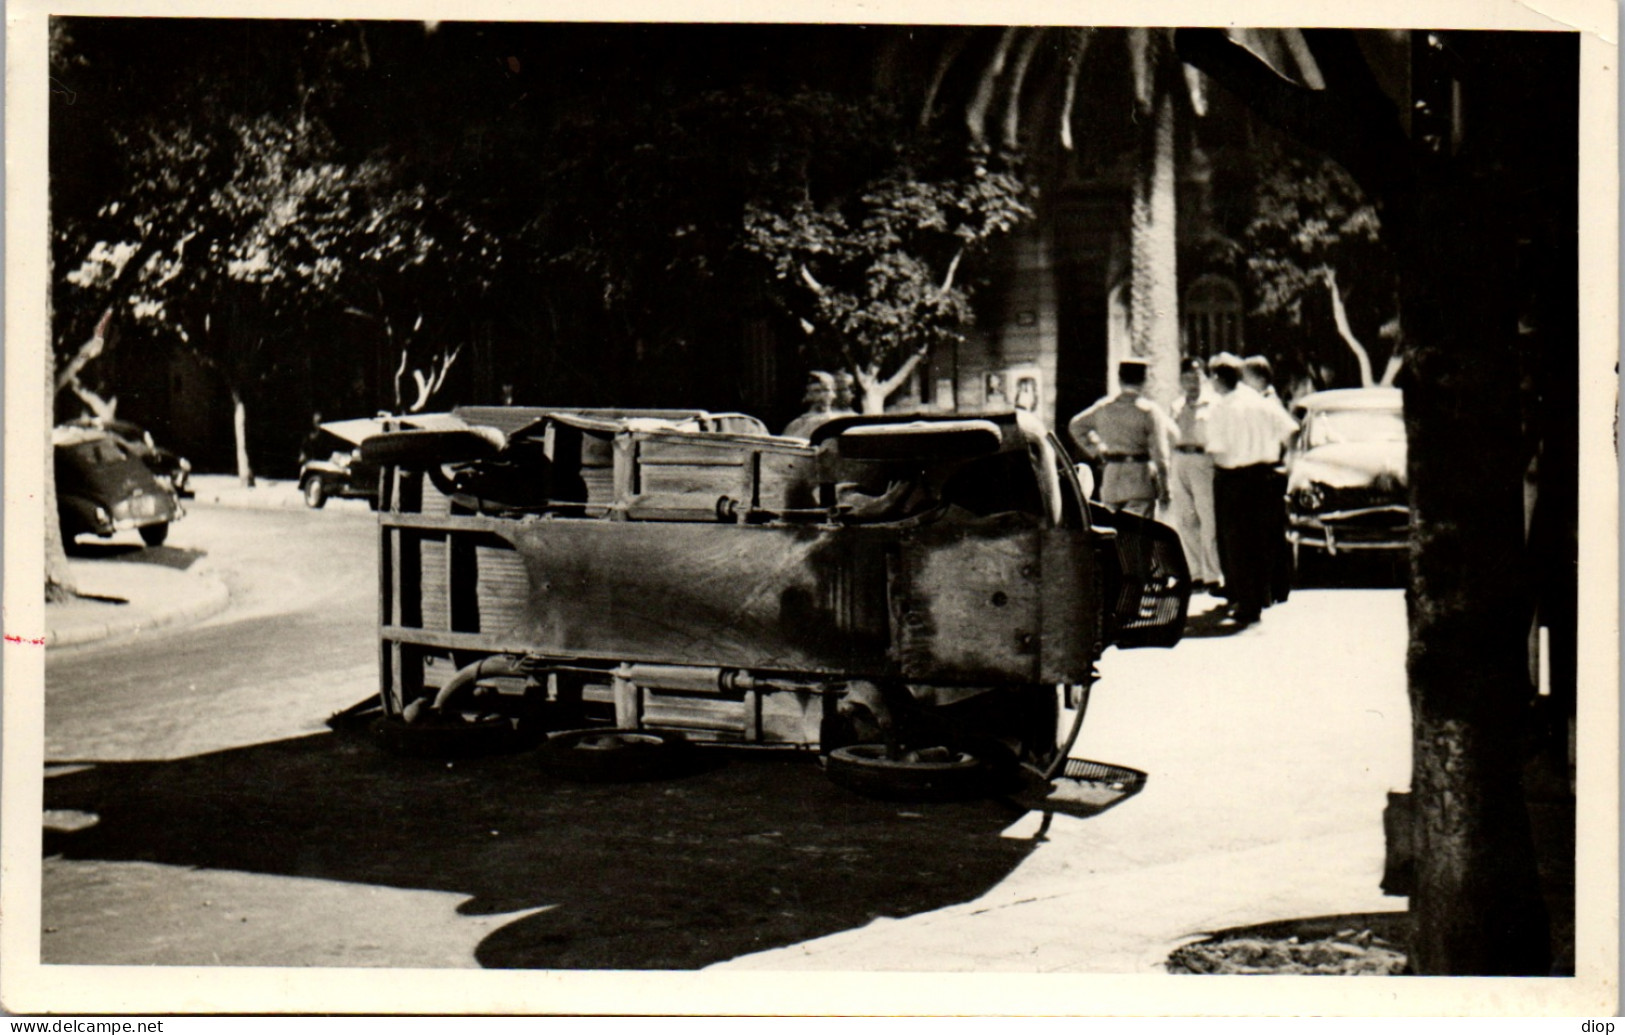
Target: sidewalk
column 1269, row 753
column 118, row 598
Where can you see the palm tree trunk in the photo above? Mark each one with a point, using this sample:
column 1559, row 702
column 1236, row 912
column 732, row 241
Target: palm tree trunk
column 1154, row 290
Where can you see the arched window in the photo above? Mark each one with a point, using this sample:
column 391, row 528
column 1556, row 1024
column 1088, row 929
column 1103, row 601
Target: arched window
column 1212, row 316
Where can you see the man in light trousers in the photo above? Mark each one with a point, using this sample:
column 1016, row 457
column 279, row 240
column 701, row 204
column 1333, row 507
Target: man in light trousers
column 1190, row 509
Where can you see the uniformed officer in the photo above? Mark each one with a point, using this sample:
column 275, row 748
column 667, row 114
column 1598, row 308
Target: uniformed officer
column 1130, row 434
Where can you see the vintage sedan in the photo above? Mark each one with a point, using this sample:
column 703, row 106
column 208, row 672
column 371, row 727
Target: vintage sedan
column 1346, row 486
column 334, row 466
column 103, row 486
column 168, row 466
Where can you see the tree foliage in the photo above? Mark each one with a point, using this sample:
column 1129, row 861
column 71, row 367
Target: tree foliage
column 1315, row 249
column 239, row 227
column 874, row 277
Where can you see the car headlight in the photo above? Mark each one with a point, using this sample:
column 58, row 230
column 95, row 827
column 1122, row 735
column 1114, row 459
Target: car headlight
column 1309, row 498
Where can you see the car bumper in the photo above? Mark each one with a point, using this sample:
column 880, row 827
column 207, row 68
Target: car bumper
column 141, row 512
column 1366, row 528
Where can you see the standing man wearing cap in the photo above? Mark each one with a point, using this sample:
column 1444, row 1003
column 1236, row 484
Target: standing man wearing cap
column 820, row 401
column 1191, row 509
column 1130, row 435
column 1244, row 436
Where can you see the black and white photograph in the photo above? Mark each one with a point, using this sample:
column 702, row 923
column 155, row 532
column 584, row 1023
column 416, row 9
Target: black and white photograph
column 879, row 510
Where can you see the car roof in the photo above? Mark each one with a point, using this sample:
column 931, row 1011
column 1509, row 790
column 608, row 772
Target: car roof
column 1352, row 399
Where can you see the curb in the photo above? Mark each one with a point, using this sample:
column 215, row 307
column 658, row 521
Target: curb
column 211, row 598
column 223, row 491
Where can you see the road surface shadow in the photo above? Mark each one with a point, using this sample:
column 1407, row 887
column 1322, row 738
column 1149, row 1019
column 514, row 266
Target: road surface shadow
column 167, row 556
column 760, row 852
column 1355, row 569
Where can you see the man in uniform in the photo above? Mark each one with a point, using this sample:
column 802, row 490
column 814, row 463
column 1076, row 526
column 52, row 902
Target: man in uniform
column 1244, row 436
column 1130, row 435
column 1191, row 510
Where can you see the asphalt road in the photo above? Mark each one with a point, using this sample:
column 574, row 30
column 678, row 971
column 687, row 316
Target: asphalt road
column 294, row 645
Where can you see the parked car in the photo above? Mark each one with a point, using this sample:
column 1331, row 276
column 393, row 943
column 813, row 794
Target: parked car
column 104, row 485
column 1346, row 486
column 166, row 465
column 918, row 600
column 334, row 467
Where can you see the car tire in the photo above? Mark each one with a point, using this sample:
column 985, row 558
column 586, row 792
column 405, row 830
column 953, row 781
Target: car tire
column 452, row 737
column 865, row 769
column 612, row 755
column 154, row 535
column 315, row 491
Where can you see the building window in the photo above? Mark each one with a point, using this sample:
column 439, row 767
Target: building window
column 1212, row 322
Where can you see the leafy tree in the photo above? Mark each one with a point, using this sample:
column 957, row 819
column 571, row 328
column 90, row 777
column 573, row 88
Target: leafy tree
column 237, row 226
column 872, row 277
column 1314, row 236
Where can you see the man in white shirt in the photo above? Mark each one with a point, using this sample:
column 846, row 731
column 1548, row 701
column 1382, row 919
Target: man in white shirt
column 1257, row 373
column 1190, row 509
column 1244, row 436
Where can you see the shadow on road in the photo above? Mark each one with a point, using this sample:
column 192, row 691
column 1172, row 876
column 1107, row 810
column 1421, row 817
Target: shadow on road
column 760, row 852
column 1368, row 569
column 167, row 556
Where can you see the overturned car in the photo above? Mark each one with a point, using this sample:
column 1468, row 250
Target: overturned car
column 920, row 600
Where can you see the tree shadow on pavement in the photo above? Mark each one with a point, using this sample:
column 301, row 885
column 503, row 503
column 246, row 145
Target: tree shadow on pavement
column 759, row 852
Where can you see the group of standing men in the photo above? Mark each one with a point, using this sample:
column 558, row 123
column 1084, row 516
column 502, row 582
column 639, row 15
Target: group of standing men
column 1212, row 470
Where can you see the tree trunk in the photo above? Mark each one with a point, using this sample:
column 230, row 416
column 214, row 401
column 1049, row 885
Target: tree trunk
column 239, row 427
column 1341, row 318
column 1449, row 209
column 1154, row 289
column 873, row 392
column 59, row 582
column 1476, row 906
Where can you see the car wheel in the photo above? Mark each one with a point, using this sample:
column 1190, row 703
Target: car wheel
column 612, row 755
column 154, row 535
column 315, row 493
column 450, row 737
column 934, row 774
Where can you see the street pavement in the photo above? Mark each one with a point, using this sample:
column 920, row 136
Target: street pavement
column 1269, row 752
column 119, row 599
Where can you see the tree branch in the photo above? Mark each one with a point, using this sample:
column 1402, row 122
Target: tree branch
column 811, row 281
column 104, row 410
column 92, row 348
column 902, row 373
column 1340, row 316
column 953, row 268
